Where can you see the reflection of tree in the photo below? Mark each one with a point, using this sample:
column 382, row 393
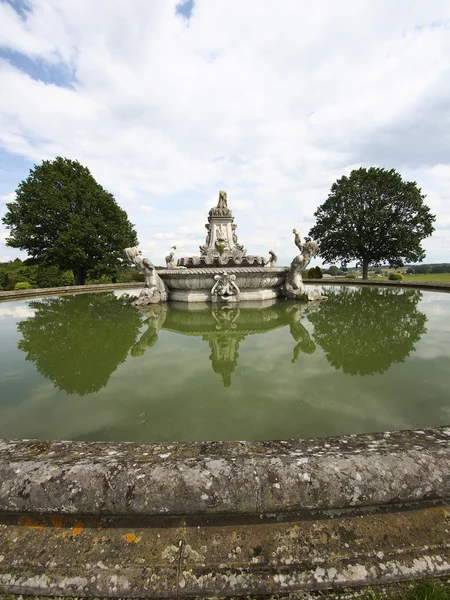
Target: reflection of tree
column 364, row 331
column 301, row 335
column 78, row 341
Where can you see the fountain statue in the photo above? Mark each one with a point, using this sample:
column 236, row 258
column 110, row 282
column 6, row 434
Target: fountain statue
column 224, row 272
column 272, row 260
column 293, row 286
column 170, row 260
column 155, row 289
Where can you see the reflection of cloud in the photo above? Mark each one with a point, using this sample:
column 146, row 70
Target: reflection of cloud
column 437, row 343
column 11, row 375
column 12, row 309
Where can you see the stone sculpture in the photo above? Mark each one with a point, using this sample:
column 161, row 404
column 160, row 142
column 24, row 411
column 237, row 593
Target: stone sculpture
column 170, row 261
column 272, row 260
column 155, row 289
column 221, row 247
column 298, row 240
column 224, row 272
column 293, row 286
column 225, row 288
column 222, row 200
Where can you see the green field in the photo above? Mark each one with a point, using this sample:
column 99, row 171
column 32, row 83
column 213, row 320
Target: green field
column 428, row 277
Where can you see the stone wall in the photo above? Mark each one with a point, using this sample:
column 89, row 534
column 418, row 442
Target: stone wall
column 70, row 289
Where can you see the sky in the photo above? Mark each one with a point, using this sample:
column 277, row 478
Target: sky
column 169, row 102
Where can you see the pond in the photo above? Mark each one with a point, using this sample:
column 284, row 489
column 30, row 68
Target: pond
column 92, row 367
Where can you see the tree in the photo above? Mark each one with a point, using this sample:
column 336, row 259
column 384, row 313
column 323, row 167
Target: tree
column 333, row 271
column 373, row 217
column 63, row 217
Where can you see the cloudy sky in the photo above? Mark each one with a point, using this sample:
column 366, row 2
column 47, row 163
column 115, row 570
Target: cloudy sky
column 167, row 103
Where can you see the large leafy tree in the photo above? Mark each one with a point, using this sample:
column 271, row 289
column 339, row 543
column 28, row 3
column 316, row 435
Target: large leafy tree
column 63, row 217
column 373, row 217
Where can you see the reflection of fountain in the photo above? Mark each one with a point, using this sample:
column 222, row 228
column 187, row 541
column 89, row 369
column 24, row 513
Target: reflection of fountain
column 225, row 327
column 364, row 331
column 298, row 331
column 156, row 315
column 224, row 353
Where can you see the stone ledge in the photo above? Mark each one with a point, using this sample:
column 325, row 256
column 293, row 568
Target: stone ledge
column 69, row 289
column 234, row 478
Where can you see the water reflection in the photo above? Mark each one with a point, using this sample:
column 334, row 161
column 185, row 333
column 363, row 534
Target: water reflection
column 225, row 327
column 78, row 341
column 294, row 313
column 365, row 330
column 155, row 316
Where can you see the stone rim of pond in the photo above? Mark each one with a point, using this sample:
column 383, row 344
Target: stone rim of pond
column 226, row 478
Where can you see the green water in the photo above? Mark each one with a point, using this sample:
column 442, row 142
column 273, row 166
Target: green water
column 92, row 367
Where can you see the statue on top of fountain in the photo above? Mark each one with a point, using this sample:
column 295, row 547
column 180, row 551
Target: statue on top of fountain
column 221, row 210
column 222, row 200
column 221, row 247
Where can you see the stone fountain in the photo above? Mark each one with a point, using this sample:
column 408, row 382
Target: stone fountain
column 224, row 272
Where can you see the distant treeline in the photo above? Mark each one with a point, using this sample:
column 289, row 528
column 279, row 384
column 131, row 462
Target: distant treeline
column 410, row 269
column 17, row 274
column 439, row 268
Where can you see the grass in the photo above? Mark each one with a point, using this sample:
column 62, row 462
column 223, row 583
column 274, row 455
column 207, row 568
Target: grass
column 428, row 277
column 421, row 591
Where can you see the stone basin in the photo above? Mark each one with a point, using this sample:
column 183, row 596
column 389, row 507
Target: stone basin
column 195, row 285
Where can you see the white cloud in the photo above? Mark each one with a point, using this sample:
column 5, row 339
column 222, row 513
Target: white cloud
column 269, row 102
column 8, row 198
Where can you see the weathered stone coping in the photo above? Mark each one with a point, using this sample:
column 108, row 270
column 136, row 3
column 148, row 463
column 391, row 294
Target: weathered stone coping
column 69, row 289
column 225, row 478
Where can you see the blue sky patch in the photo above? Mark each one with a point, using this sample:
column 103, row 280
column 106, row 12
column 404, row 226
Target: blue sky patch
column 185, row 8
column 21, row 7
column 58, row 74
